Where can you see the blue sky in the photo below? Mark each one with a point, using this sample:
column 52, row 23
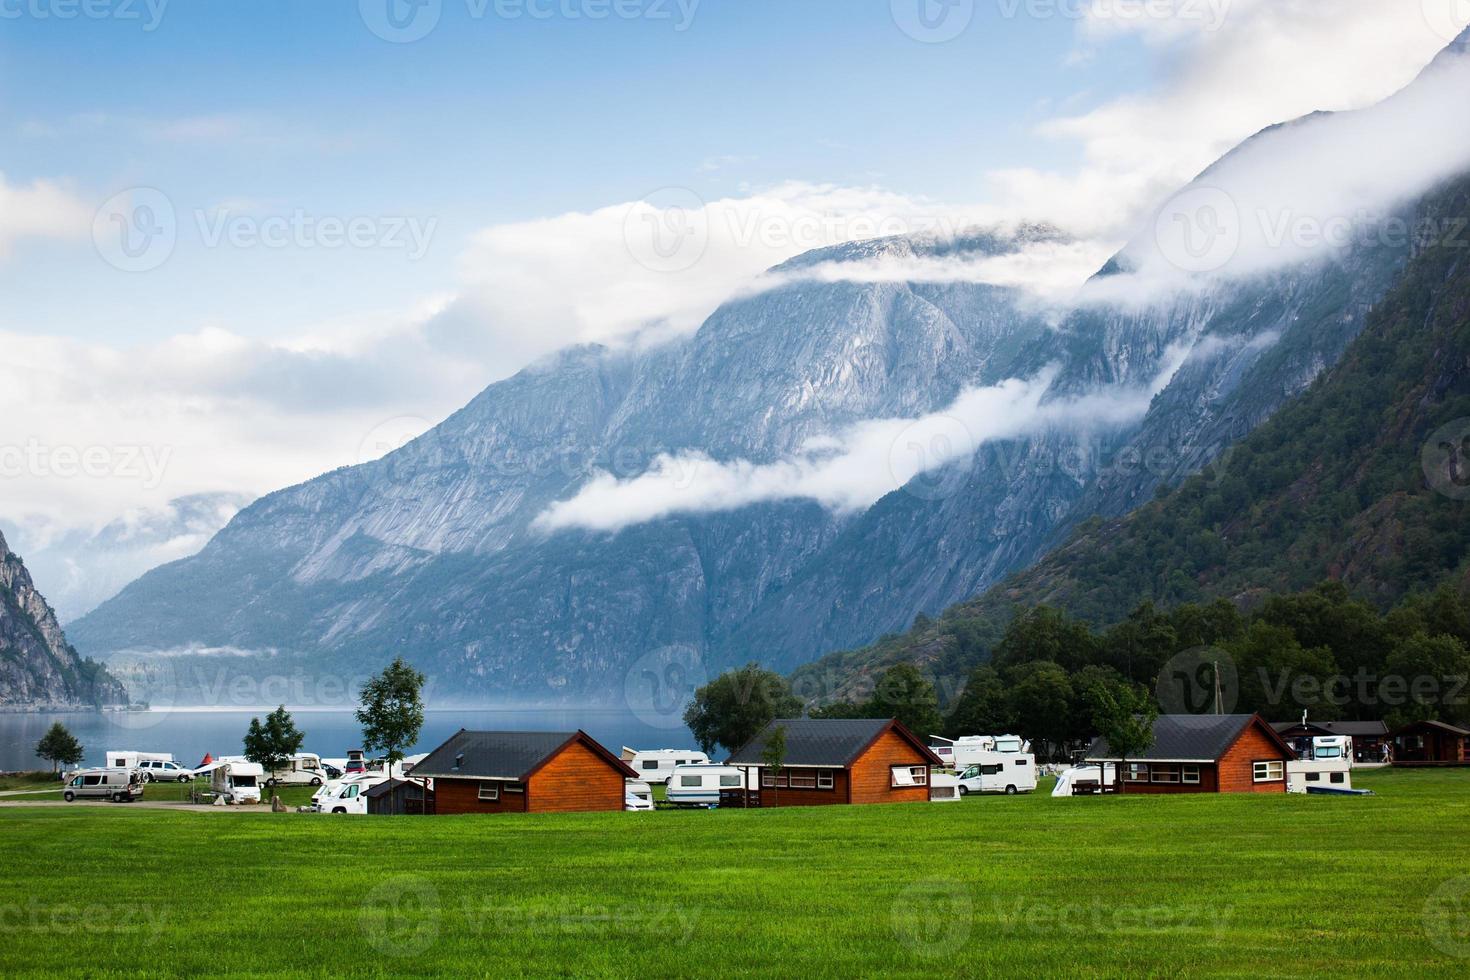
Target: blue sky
column 292, row 105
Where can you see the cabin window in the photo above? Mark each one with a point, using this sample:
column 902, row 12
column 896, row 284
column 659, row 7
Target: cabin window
column 1270, row 771
column 905, row 776
column 489, row 792
column 773, row 779
column 824, row 780
column 1191, row 775
column 803, row 780
column 515, row 787
column 730, row 781
column 1137, row 772
column 1164, row 774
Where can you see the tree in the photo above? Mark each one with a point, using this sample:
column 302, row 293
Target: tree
column 1039, row 696
column 843, row 709
column 733, row 708
column 59, row 747
column 981, row 708
column 773, row 757
column 1423, row 678
column 1046, row 634
column 905, row 694
column 272, row 745
column 1124, row 715
column 392, row 711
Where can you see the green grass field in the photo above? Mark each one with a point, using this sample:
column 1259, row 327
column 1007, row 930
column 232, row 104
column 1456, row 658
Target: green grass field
column 1232, row 885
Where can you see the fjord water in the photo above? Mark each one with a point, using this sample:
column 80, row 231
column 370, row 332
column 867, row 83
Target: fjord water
column 190, row 733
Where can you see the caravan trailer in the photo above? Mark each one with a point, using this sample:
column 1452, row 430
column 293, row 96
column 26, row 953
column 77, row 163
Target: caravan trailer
column 700, row 784
column 132, row 759
column 657, row 765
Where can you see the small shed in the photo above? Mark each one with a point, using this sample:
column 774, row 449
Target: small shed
column 401, row 797
column 831, row 760
column 1431, row 743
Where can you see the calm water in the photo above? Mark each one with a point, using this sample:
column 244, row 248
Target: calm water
column 189, row 734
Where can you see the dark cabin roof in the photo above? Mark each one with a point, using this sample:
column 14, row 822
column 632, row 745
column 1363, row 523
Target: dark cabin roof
column 1190, row 738
column 1439, row 725
column 1355, row 729
column 383, row 789
column 826, row 741
column 504, row 755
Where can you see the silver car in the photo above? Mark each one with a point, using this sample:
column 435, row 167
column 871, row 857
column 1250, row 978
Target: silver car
column 156, row 771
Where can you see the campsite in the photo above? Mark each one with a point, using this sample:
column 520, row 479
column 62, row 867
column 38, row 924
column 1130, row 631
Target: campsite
column 1240, row 884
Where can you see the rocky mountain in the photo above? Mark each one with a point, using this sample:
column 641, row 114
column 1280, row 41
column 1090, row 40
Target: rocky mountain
column 38, row 668
column 1363, row 480
column 440, row 551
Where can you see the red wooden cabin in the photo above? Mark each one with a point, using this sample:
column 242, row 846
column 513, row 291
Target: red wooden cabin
column 1204, row 754
column 1431, row 743
column 830, row 760
column 524, row 772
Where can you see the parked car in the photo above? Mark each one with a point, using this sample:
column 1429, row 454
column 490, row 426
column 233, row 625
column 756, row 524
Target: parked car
column 161, row 771
column 117, row 785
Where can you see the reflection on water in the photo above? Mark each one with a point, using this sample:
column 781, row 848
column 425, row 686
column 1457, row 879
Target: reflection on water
column 189, row 734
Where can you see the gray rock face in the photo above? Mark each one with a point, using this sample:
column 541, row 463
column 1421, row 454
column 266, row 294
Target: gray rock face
column 38, row 668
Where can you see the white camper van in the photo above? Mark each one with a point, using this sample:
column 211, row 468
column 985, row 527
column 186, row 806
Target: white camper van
column 305, row 769
column 117, row 785
column 699, row 784
column 657, row 765
column 999, row 772
column 237, row 782
column 1326, row 766
column 348, row 796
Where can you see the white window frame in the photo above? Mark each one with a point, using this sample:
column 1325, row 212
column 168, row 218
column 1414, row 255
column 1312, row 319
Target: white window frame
column 1190, row 775
column 918, row 777
column 513, row 788
column 1165, row 773
column 825, row 779
column 807, row 780
column 1136, row 772
column 489, row 792
column 1268, row 771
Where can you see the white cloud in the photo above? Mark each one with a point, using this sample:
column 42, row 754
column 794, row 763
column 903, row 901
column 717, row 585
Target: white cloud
column 40, row 209
column 853, row 469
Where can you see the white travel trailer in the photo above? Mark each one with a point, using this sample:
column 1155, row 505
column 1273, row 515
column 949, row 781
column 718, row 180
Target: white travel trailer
column 133, row 759
column 1327, row 766
column 657, row 765
column 1085, row 779
column 348, row 796
column 236, row 782
column 700, row 784
column 637, row 796
column 961, row 753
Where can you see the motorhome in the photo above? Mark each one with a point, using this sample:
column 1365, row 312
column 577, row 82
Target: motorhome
column 349, row 796
column 1325, row 764
column 998, row 772
column 971, row 749
column 237, row 782
column 305, row 769
column 657, row 765
column 132, row 759
column 637, row 796
column 117, row 785
column 700, row 784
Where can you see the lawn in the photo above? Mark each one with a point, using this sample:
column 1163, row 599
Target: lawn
column 1236, row 885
